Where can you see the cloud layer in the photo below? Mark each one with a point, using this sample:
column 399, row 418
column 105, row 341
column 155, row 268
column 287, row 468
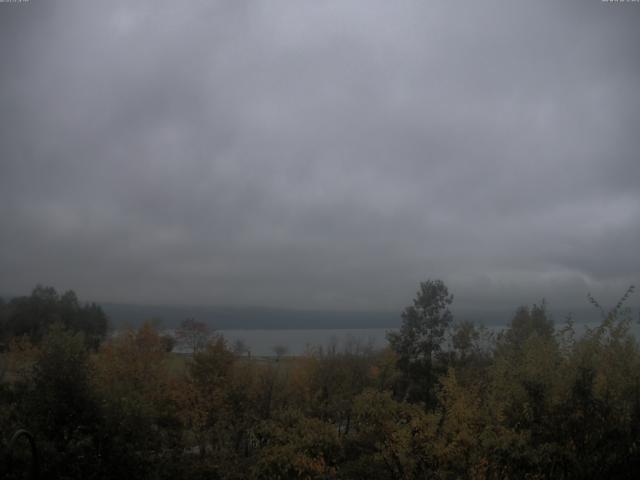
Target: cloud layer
column 320, row 154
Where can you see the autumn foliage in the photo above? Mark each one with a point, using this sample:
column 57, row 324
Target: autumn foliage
column 444, row 400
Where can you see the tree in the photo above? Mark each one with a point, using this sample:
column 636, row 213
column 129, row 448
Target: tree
column 465, row 339
column 471, row 348
column 296, row 446
column 169, row 342
column 4, row 313
column 211, row 366
column 240, row 348
column 200, row 396
column 420, row 339
column 33, row 315
column 132, row 381
column 280, row 351
column 526, row 323
column 62, row 407
column 193, row 334
column 390, row 440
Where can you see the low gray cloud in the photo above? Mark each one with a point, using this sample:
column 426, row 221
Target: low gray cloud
column 320, row 154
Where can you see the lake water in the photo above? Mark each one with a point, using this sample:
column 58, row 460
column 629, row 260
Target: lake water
column 297, row 342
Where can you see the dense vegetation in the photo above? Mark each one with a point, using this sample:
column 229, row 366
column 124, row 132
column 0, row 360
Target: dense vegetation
column 32, row 316
column 444, row 400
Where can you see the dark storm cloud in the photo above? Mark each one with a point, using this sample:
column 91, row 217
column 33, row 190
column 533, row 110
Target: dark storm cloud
column 320, row 154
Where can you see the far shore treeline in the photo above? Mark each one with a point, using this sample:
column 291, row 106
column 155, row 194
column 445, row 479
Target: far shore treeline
column 444, row 399
column 243, row 318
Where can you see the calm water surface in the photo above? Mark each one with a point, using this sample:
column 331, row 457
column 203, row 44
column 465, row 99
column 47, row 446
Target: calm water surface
column 297, row 342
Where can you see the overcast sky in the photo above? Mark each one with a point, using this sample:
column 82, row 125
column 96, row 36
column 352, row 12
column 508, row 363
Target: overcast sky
column 320, row 154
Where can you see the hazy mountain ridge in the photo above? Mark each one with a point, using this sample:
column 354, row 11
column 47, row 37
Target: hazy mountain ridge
column 221, row 318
